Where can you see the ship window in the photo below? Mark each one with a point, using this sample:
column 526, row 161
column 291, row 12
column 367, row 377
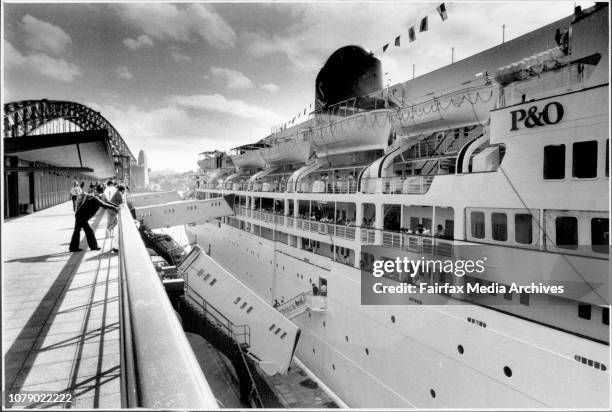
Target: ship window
column 567, row 232
column 605, row 316
column 584, row 311
column 600, row 235
column 478, row 225
column 584, row 164
column 499, row 226
column 522, row 228
column 554, row 162
column 524, row 299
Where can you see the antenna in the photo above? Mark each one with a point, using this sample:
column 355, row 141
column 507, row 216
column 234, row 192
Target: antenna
column 503, row 33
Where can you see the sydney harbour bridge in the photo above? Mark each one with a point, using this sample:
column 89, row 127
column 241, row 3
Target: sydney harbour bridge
column 48, row 144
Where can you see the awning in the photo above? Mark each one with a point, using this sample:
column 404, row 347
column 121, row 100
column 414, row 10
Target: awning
column 84, row 150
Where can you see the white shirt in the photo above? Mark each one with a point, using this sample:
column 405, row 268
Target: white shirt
column 76, row 190
column 109, row 192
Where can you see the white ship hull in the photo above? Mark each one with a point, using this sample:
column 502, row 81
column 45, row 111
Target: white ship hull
column 418, row 353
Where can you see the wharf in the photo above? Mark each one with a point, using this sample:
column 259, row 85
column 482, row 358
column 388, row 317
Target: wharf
column 60, row 311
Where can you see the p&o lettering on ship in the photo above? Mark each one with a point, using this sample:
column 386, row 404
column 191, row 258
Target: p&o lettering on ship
column 552, row 113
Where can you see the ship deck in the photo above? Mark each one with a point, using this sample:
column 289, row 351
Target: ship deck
column 60, row 311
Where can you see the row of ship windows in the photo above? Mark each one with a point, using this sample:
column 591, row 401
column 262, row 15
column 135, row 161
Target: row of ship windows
column 523, row 227
column 566, row 230
column 584, row 160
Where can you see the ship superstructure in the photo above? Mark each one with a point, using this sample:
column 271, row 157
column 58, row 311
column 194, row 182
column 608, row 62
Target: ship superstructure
column 504, row 154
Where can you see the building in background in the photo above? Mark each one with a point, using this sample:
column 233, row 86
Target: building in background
column 141, row 171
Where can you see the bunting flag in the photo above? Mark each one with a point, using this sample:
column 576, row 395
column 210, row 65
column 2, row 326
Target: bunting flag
column 304, row 111
column 442, row 11
column 411, row 34
column 424, row 26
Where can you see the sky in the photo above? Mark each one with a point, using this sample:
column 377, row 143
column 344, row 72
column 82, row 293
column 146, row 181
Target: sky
column 176, row 79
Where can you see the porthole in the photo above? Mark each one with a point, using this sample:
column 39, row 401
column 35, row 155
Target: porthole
column 392, row 319
column 367, row 351
column 346, row 338
column 460, row 349
column 309, row 315
column 313, row 350
column 507, row 371
column 323, row 323
column 432, row 393
column 333, row 366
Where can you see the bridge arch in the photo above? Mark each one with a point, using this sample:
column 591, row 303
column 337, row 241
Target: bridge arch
column 24, row 117
column 50, row 143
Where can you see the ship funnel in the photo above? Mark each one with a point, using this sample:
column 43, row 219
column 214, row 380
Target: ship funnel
column 350, row 71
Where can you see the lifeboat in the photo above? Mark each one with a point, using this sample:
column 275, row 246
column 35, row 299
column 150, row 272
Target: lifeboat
column 249, row 159
column 361, row 131
column 467, row 106
column 287, row 152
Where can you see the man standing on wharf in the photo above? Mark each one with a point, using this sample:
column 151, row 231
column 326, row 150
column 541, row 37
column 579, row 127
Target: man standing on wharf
column 86, row 211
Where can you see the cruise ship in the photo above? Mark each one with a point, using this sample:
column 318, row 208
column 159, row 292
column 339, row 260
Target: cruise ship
column 502, row 156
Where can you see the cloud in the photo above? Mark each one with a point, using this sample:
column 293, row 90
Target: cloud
column 179, row 22
column 136, row 44
column 40, row 63
column 180, row 125
column 313, row 31
column 41, row 36
column 124, row 73
column 233, row 79
column 220, row 104
column 270, row 88
column 180, row 57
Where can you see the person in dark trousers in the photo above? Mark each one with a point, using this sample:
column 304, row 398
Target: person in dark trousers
column 315, row 289
column 86, row 211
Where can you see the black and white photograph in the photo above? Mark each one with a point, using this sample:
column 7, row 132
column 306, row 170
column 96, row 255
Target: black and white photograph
column 308, row 205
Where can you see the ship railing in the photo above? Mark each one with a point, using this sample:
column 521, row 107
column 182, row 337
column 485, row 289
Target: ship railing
column 368, row 236
column 397, row 185
column 241, row 334
column 268, row 186
column 426, row 244
column 292, row 305
column 325, row 228
column 142, row 386
column 275, row 218
column 341, row 186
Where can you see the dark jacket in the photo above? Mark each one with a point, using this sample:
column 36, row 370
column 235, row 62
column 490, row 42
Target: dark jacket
column 90, row 206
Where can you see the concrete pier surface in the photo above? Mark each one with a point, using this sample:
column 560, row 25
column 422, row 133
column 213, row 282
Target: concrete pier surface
column 60, row 312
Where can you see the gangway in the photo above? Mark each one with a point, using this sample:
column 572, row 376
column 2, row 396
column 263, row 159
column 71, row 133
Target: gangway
column 304, row 302
column 156, row 214
column 153, row 198
column 272, row 337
